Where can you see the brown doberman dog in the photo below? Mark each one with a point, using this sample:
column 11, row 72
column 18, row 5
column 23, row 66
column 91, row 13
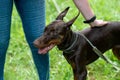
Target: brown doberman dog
column 76, row 49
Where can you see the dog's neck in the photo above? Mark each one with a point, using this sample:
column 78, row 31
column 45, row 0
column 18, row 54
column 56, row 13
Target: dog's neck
column 68, row 42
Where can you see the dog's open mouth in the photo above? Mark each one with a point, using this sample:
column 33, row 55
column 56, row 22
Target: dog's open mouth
column 46, row 49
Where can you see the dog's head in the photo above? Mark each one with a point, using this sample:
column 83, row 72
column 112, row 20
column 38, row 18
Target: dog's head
column 54, row 33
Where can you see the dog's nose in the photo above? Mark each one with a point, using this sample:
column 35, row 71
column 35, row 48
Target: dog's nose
column 36, row 43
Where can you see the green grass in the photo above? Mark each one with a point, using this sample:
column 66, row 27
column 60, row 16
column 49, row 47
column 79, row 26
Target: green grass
column 19, row 64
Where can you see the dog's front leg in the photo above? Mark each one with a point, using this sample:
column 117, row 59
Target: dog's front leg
column 80, row 71
column 81, row 74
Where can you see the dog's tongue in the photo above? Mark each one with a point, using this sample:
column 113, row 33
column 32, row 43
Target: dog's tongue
column 46, row 49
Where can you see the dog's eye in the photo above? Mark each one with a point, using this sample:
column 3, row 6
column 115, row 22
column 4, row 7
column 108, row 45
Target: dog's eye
column 52, row 30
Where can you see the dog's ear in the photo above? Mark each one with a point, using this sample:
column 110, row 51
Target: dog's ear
column 62, row 14
column 68, row 24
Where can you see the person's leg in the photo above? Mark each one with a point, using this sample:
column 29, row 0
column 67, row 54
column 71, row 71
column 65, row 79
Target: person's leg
column 32, row 13
column 5, row 22
column 87, row 12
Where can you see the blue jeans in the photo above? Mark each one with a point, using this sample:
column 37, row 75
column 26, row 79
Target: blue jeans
column 32, row 13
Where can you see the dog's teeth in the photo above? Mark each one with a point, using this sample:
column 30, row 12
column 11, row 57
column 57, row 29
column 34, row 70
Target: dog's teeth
column 48, row 47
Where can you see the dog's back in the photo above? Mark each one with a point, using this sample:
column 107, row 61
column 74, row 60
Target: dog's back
column 105, row 38
column 112, row 29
